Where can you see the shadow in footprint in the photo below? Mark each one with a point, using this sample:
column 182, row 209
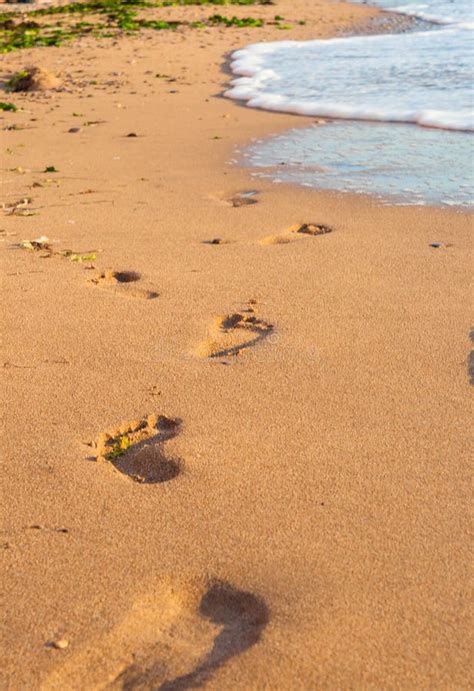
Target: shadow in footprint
column 215, row 241
column 243, row 617
column 124, row 276
column 313, row 229
column 234, row 333
column 175, row 636
column 119, row 282
column 137, row 449
column 147, row 463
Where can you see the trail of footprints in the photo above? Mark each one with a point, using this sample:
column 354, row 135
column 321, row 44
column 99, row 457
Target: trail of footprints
column 182, row 630
column 295, row 232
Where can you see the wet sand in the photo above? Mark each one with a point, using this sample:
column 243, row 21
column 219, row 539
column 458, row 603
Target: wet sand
column 235, row 453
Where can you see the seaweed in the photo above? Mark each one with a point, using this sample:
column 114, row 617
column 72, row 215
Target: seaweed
column 11, row 107
column 20, row 30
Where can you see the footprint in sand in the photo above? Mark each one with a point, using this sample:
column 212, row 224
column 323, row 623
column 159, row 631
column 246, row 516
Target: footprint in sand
column 123, row 283
column 135, row 449
column 243, row 198
column 295, row 231
column 238, row 199
column 177, row 636
column 233, row 333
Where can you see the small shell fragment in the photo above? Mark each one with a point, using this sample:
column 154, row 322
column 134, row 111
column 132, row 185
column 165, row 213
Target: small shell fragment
column 60, row 644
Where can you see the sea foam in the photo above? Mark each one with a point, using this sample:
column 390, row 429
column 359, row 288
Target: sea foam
column 422, row 77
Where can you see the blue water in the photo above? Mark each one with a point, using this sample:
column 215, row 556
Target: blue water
column 441, row 11
column 399, row 164
column 419, row 77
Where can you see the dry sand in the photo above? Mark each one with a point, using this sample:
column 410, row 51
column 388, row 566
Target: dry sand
column 307, row 524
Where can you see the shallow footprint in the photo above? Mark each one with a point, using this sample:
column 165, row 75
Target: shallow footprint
column 123, row 283
column 233, row 333
column 293, row 231
column 136, row 449
column 243, row 198
column 175, row 637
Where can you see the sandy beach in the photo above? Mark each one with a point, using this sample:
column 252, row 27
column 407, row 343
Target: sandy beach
column 235, row 454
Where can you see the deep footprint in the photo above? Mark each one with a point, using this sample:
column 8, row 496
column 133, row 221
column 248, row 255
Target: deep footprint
column 233, row 333
column 136, row 450
column 289, row 235
column 175, row 637
column 122, row 283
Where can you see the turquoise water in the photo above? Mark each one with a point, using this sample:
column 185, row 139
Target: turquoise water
column 422, row 77
column 440, row 11
column 399, row 164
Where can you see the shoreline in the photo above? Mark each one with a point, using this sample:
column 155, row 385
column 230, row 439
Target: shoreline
column 377, row 199
column 321, row 472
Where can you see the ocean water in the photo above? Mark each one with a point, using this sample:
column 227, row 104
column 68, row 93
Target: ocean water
column 421, row 77
column 398, row 164
column 438, row 11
